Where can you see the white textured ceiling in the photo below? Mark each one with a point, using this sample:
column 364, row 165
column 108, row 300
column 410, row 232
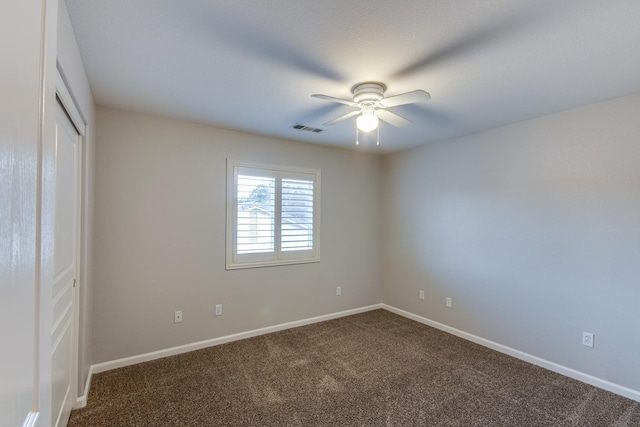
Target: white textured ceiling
column 252, row 65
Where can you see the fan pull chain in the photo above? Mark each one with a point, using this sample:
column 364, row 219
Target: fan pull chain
column 357, row 143
column 378, row 138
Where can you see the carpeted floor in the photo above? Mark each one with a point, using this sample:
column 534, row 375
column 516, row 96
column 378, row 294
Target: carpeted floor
column 370, row 369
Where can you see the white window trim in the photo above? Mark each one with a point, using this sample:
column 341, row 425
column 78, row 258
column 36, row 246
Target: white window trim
column 232, row 262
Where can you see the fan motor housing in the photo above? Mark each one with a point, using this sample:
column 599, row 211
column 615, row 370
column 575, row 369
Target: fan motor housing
column 368, row 92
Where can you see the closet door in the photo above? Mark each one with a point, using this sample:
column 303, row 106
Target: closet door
column 65, row 261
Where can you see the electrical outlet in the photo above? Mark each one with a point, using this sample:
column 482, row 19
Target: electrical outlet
column 587, row 339
column 218, row 309
column 421, row 294
column 338, row 290
column 177, row 316
column 449, row 302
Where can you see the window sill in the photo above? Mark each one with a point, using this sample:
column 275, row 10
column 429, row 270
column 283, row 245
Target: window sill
column 271, row 263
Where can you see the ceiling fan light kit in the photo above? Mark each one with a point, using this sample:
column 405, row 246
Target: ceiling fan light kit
column 368, row 98
column 367, row 120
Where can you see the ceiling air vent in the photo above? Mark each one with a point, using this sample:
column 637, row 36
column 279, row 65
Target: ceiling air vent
column 298, row 126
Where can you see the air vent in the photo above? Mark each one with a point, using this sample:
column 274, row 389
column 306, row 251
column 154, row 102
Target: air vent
column 298, row 126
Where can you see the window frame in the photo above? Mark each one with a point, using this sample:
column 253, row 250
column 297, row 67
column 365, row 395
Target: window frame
column 278, row 256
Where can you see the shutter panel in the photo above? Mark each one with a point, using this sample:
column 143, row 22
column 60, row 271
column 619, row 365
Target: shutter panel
column 297, row 215
column 255, row 222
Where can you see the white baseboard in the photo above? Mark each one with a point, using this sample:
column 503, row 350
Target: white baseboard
column 563, row 370
column 81, row 401
column 126, row 361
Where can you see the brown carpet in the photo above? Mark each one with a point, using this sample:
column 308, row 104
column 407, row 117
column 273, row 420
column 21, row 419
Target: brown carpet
column 370, row 369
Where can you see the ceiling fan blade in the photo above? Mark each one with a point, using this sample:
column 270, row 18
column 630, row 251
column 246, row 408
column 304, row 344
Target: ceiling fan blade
column 405, row 98
column 392, row 118
column 332, row 99
column 341, row 118
column 257, row 42
column 509, row 25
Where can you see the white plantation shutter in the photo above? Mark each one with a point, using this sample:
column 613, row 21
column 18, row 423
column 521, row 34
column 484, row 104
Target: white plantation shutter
column 272, row 215
column 296, row 217
column 255, row 214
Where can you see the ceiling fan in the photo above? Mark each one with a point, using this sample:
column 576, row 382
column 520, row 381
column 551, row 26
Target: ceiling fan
column 371, row 105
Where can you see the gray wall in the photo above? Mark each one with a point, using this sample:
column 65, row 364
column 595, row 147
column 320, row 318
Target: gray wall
column 160, row 236
column 534, row 231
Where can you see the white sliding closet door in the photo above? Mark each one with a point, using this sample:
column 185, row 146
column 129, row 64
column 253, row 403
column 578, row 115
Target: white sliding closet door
column 65, row 260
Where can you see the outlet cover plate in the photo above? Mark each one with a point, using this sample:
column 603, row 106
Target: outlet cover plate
column 587, row 339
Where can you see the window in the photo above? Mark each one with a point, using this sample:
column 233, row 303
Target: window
column 272, row 215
